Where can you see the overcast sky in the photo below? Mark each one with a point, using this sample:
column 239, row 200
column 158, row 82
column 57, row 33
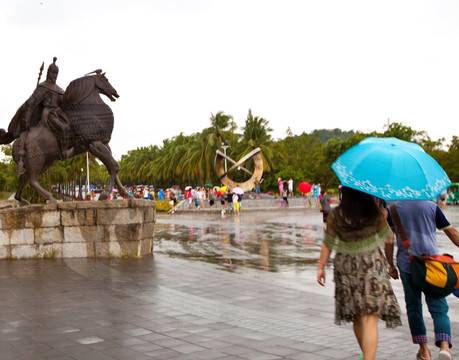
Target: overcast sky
column 300, row 64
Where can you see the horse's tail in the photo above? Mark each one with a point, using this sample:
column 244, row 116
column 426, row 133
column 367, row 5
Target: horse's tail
column 5, row 137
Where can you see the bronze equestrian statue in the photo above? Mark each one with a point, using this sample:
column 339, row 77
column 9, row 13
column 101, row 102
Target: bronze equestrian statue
column 56, row 125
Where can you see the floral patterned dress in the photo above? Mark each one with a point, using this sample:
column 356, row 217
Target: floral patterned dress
column 362, row 282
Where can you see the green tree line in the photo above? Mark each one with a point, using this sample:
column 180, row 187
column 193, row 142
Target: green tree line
column 189, row 159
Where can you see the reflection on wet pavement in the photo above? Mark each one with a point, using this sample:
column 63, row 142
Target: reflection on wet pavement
column 272, row 241
column 278, row 241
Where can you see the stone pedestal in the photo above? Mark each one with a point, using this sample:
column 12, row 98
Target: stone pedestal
column 115, row 228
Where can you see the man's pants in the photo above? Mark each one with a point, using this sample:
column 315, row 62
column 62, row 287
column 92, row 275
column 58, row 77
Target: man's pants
column 438, row 309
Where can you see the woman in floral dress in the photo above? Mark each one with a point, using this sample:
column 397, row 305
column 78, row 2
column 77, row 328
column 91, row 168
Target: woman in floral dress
column 356, row 229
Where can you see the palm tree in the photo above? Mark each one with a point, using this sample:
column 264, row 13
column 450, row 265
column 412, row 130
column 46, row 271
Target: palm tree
column 256, row 135
column 76, row 166
column 199, row 159
column 134, row 165
column 220, row 122
column 162, row 168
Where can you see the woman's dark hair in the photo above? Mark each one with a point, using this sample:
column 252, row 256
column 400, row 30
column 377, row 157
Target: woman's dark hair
column 358, row 208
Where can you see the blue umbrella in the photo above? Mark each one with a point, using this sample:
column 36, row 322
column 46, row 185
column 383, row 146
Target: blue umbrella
column 391, row 169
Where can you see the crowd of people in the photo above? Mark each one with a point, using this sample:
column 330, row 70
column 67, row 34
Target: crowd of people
column 208, row 196
column 311, row 198
column 195, row 196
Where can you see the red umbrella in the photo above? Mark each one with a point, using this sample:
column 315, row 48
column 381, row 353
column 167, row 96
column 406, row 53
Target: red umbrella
column 304, row 187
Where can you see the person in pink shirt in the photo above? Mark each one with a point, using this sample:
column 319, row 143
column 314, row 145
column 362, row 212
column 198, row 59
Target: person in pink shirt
column 281, row 186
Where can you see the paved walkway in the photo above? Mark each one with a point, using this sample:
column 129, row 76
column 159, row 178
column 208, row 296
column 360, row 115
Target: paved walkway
column 158, row 307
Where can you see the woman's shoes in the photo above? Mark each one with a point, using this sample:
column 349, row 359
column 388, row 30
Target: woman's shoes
column 419, row 357
column 444, row 355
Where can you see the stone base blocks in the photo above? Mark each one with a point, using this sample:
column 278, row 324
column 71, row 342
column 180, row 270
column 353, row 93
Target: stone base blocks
column 114, row 228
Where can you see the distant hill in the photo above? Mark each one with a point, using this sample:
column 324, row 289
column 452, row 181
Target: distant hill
column 327, row 134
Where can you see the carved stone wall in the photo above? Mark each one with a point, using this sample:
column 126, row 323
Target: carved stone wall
column 78, row 229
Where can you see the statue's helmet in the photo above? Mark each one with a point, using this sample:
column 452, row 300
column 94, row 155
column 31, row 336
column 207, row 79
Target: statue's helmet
column 53, row 70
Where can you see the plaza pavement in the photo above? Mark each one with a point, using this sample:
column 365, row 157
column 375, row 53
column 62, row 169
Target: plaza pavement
column 158, row 307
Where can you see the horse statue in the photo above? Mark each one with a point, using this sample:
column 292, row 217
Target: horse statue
column 85, row 124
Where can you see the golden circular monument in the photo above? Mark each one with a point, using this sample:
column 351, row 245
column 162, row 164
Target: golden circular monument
column 222, row 173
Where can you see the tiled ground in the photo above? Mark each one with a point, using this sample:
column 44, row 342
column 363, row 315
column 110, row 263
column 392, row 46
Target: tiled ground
column 163, row 308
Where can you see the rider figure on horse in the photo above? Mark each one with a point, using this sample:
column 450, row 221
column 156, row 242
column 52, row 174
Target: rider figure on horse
column 43, row 104
column 55, row 125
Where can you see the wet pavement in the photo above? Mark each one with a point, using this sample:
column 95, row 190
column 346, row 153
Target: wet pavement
column 257, row 300
column 275, row 241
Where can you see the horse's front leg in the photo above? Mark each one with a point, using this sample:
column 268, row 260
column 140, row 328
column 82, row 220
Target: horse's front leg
column 122, row 189
column 104, row 154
